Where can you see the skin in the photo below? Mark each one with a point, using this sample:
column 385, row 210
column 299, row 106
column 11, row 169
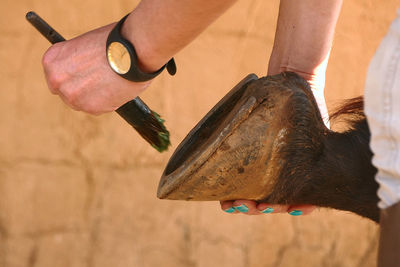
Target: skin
column 303, row 41
column 77, row 70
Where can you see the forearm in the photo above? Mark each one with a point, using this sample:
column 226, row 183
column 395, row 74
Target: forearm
column 304, row 37
column 160, row 28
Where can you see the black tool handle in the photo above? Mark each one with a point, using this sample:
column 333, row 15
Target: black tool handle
column 130, row 110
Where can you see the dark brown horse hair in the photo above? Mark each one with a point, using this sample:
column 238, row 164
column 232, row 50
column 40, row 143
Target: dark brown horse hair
column 281, row 153
column 324, row 167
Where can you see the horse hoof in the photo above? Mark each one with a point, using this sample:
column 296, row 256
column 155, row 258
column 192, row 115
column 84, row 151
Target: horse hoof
column 236, row 151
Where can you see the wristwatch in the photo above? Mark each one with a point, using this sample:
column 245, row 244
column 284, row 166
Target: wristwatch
column 123, row 60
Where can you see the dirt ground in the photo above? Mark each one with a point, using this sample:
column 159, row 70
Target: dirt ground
column 78, row 190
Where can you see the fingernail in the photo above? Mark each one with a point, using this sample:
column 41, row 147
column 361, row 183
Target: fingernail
column 267, row 210
column 242, row 208
column 230, row 210
column 296, row 212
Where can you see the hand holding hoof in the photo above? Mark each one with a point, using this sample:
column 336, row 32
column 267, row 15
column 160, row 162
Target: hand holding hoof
column 249, row 207
column 265, row 141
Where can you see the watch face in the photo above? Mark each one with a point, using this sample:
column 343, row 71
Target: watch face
column 118, row 57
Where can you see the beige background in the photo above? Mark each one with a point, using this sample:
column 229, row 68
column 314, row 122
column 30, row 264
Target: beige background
column 77, row 190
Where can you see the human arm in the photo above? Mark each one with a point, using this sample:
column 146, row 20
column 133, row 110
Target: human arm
column 303, row 41
column 77, row 70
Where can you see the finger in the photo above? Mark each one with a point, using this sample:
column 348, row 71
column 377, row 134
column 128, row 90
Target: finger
column 227, row 207
column 248, row 207
column 52, row 84
column 302, row 209
column 48, row 62
column 65, row 100
column 266, row 208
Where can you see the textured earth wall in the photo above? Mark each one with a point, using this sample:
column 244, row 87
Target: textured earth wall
column 78, row 190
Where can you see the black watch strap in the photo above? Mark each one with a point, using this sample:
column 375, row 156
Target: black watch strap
column 134, row 73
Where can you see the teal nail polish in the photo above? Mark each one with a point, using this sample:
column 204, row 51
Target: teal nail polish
column 296, row 212
column 242, row 208
column 268, row 210
column 230, row 210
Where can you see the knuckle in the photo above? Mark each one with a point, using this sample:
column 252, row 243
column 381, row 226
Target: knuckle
column 50, row 56
column 47, row 59
column 78, row 99
column 74, row 107
column 95, row 109
column 71, row 97
column 90, row 108
column 54, row 81
column 53, row 77
column 95, row 112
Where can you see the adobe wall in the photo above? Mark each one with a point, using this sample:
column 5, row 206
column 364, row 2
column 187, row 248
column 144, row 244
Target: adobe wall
column 78, row 190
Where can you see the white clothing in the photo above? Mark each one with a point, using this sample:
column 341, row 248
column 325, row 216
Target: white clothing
column 382, row 108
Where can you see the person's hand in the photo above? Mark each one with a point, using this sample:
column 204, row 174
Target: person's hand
column 303, row 41
column 253, row 208
column 77, row 70
column 317, row 82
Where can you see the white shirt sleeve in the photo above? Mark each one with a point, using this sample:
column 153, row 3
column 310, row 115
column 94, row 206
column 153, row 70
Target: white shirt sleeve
column 382, row 108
